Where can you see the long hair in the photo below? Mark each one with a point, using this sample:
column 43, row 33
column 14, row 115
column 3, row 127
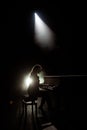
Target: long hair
column 35, row 69
column 34, row 90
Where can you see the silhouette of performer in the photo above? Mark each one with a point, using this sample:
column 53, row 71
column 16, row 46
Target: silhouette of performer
column 33, row 89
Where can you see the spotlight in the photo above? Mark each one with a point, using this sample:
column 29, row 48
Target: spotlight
column 28, row 81
column 44, row 36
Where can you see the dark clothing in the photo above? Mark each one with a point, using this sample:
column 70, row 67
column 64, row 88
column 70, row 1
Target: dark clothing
column 33, row 90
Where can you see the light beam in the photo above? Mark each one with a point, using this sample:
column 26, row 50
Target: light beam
column 27, row 81
column 44, row 36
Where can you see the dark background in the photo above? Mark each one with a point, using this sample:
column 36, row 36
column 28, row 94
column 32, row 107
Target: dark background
column 18, row 51
column 18, row 48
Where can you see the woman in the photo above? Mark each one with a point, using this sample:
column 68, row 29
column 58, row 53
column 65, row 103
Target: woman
column 33, row 89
